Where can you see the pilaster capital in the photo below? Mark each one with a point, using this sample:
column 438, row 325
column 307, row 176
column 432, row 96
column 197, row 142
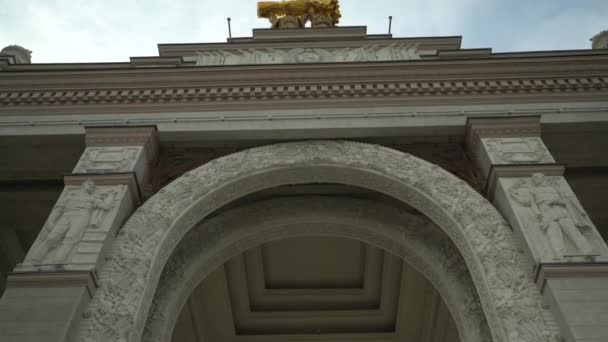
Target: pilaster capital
column 116, row 150
column 500, row 127
column 505, row 141
column 107, row 136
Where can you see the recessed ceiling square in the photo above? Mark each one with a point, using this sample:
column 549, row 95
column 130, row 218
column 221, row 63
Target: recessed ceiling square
column 314, row 262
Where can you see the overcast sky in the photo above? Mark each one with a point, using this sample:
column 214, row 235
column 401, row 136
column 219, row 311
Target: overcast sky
column 114, row 30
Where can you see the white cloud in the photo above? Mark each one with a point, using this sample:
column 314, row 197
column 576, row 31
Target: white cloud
column 112, row 30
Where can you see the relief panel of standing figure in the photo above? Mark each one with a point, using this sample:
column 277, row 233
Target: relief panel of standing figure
column 76, row 210
column 555, row 217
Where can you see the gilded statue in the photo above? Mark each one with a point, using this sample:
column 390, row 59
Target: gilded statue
column 296, row 13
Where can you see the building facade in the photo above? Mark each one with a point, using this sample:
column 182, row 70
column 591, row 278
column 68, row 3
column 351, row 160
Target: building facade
column 306, row 184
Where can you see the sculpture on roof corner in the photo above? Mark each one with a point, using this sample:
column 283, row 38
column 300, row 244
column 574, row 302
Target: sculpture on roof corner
column 288, row 14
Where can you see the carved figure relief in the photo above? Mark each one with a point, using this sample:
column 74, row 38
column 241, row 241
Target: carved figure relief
column 369, row 53
column 108, row 159
column 77, row 209
column 556, row 215
column 517, row 150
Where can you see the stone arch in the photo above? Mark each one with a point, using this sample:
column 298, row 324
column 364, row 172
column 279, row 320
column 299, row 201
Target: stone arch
column 500, row 271
column 412, row 237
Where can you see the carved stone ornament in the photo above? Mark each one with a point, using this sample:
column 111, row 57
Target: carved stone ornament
column 517, row 150
column 77, row 226
column 498, row 267
column 553, row 222
column 367, row 53
column 108, row 159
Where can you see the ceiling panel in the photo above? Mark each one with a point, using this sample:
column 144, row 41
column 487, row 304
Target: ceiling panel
column 313, row 262
column 390, row 301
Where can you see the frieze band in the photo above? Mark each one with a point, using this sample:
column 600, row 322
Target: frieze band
column 285, row 92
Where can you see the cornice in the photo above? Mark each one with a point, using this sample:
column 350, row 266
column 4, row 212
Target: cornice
column 423, row 43
column 94, row 76
column 129, row 99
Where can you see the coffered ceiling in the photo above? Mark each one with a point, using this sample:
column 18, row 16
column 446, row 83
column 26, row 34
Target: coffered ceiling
column 315, row 289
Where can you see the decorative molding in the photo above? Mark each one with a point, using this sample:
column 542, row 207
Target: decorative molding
column 548, row 270
column 54, row 279
column 406, row 90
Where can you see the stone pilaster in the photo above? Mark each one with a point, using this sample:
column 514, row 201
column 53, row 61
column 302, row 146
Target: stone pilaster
column 527, row 186
column 58, row 275
column 576, row 293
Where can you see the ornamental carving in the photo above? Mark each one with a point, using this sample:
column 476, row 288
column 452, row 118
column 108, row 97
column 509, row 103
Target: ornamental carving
column 517, row 150
column 499, row 269
column 366, row 53
column 215, row 96
column 108, row 159
column 552, row 220
column 80, row 210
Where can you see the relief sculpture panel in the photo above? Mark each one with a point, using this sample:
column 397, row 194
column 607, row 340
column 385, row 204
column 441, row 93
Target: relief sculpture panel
column 553, row 222
column 369, row 53
column 78, row 225
column 108, row 159
column 517, row 150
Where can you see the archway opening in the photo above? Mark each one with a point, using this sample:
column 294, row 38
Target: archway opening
column 313, row 288
column 306, row 266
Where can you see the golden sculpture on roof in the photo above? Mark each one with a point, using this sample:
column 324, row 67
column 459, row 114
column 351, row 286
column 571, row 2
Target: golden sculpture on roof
column 296, row 13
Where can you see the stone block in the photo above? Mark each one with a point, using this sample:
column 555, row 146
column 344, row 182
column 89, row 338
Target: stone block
column 44, row 306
